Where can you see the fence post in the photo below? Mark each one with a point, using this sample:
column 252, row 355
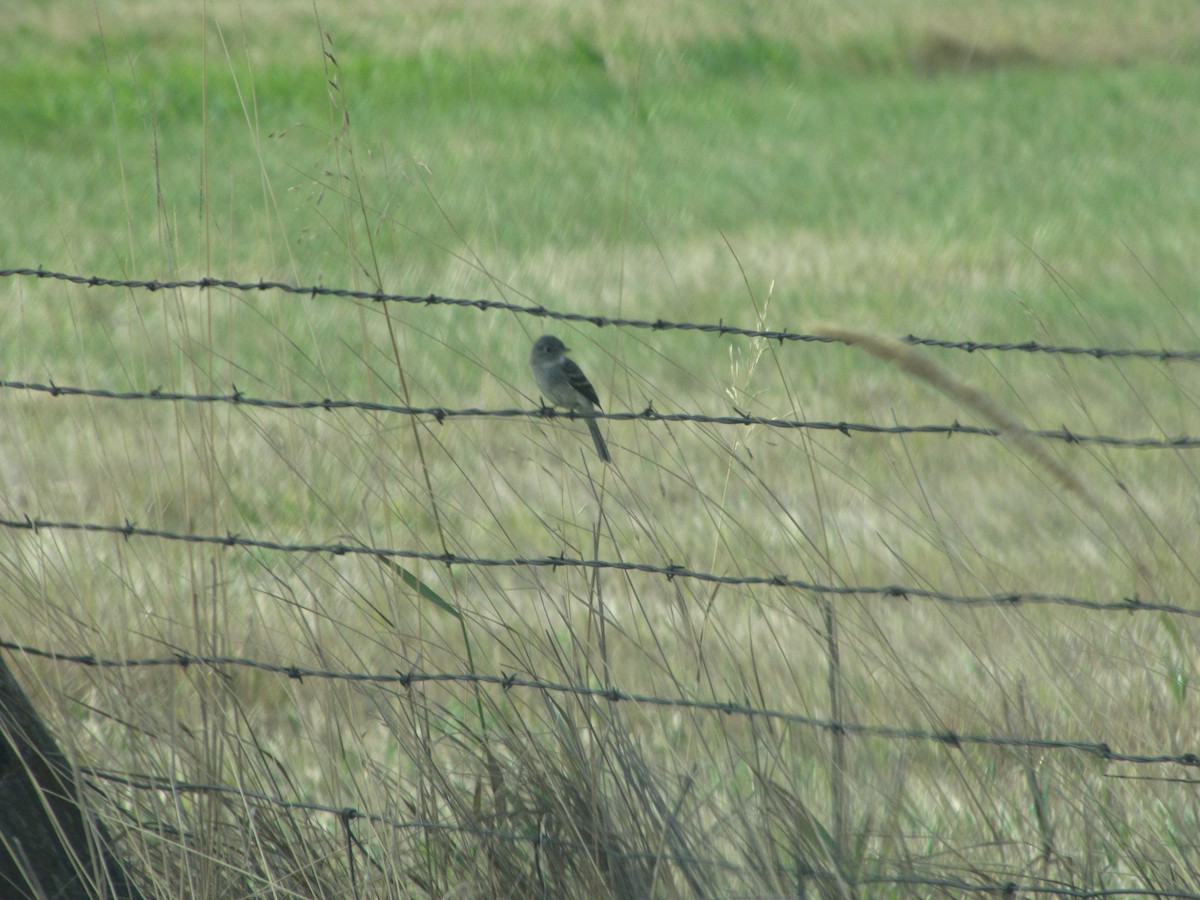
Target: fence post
column 49, row 846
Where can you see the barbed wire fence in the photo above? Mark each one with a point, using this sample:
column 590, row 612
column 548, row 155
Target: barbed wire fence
column 1104, row 750
column 614, row 695
column 669, row 570
column 347, row 816
column 718, row 328
column 442, row 414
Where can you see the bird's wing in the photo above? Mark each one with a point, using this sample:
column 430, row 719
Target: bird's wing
column 579, row 382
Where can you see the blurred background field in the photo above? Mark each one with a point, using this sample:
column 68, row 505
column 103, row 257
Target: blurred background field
column 1008, row 172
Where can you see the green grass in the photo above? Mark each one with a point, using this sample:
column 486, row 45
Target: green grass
column 1007, row 171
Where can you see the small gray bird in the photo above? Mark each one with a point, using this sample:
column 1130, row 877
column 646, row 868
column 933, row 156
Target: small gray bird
column 564, row 384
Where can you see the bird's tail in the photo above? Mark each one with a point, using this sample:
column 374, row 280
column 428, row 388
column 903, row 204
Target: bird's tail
column 598, row 440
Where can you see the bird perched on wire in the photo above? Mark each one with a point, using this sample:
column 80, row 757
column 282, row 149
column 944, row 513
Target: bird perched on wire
column 564, row 384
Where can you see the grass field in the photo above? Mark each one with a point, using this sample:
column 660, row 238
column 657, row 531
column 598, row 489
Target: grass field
column 998, row 171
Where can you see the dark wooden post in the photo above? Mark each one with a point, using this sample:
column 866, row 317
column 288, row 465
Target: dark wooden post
column 49, row 846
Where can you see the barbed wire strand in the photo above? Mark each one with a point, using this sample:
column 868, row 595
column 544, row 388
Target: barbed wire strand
column 613, row 695
column 719, row 328
column 649, row 414
column 348, row 813
column 670, row 572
